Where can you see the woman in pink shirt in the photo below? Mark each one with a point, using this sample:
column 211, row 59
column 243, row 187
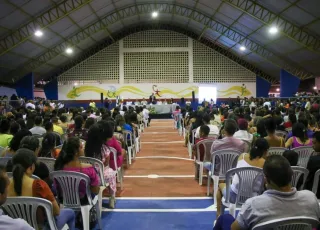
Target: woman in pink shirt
column 113, row 142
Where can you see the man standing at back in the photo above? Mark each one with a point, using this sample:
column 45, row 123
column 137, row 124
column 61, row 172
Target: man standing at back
column 6, row 222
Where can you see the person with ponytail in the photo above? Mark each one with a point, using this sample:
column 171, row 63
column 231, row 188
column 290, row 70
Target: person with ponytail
column 48, row 146
column 96, row 147
column 255, row 158
column 22, row 184
column 299, row 137
column 68, row 160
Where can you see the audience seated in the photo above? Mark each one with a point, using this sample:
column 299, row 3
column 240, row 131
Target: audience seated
column 255, row 158
column 15, row 143
column 96, row 147
column 279, row 201
column 5, row 137
column 113, row 142
column 68, row 160
column 214, row 130
column 227, row 142
column 272, row 138
column 56, row 127
column 7, row 222
column 37, row 129
column 48, row 146
column 57, row 137
column 79, row 131
column 299, row 137
column 314, row 162
column 23, row 185
column 204, row 135
column 243, row 133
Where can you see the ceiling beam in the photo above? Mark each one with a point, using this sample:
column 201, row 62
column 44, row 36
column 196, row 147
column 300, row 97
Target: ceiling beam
column 267, row 17
column 42, row 21
column 148, row 8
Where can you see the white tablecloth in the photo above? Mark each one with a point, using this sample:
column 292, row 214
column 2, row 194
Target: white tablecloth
column 162, row 108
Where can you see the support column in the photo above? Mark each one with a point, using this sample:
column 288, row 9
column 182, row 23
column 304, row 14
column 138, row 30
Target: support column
column 121, row 62
column 190, row 58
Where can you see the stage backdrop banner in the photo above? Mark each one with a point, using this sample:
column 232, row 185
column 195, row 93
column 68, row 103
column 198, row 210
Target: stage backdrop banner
column 161, row 91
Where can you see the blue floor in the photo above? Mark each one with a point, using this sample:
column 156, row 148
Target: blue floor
column 159, row 215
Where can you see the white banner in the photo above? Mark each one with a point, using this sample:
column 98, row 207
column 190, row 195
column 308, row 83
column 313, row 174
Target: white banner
column 161, row 91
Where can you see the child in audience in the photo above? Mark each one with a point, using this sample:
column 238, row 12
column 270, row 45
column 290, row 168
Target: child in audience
column 204, row 133
column 96, row 147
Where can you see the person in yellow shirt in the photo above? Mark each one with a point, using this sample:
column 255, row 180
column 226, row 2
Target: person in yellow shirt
column 5, row 138
column 56, row 127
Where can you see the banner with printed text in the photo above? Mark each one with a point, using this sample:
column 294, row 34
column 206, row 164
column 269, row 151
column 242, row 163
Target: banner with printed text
column 161, row 91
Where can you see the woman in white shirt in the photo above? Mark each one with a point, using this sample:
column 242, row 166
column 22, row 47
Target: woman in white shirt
column 256, row 158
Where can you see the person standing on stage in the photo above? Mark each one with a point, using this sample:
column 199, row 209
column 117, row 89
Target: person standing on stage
column 152, row 99
column 106, row 103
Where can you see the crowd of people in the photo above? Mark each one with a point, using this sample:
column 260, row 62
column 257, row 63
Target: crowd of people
column 251, row 127
column 65, row 134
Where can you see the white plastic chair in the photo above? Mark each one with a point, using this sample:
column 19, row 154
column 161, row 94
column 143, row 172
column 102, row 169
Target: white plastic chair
column 68, row 183
column 137, row 142
column 10, row 175
column 304, row 153
column 4, row 160
column 280, row 133
column 99, row 166
column 191, row 144
column 228, row 160
column 316, row 182
column 118, row 169
column 128, row 137
column 206, row 144
column 26, row 208
column 248, row 146
column 49, row 162
column 276, row 151
column 297, row 173
column 290, row 223
column 249, row 177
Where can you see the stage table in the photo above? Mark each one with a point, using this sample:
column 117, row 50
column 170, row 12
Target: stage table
column 161, row 109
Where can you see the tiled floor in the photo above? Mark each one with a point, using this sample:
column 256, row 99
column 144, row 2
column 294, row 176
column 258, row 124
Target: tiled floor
column 161, row 140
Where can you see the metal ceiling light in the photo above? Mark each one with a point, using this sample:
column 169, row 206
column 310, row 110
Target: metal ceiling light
column 242, row 48
column 278, row 89
column 38, row 33
column 273, row 30
column 315, row 87
column 69, row 51
column 154, row 14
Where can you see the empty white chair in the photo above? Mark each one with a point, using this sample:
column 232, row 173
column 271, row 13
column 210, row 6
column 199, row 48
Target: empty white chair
column 68, row 184
column 206, row 145
column 26, row 208
column 304, row 153
column 297, row 173
column 276, row 151
column 49, row 162
column 4, row 160
column 250, row 178
column 32, row 176
column 290, row 223
column 228, row 159
column 118, row 169
column 316, row 182
column 99, row 166
column 128, row 138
